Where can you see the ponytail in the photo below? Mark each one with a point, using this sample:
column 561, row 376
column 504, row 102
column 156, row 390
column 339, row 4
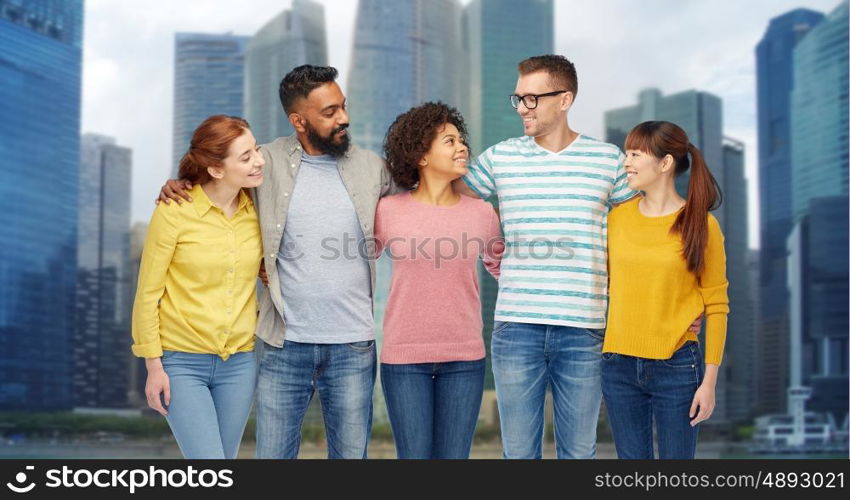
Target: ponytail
column 660, row 138
column 192, row 169
column 704, row 195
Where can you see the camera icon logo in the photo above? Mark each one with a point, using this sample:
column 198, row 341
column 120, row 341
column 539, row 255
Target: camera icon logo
column 21, row 478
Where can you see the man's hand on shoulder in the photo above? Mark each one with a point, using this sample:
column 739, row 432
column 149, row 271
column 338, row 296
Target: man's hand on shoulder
column 175, row 189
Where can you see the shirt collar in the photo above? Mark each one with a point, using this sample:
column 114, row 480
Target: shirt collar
column 201, row 200
column 203, row 204
column 245, row 201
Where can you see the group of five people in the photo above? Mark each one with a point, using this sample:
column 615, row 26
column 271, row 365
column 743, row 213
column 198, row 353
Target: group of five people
column 605, row 274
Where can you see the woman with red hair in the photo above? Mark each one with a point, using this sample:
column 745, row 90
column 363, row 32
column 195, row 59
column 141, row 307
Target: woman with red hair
column 196, row 308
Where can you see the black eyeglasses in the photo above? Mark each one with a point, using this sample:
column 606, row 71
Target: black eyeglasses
column 530, row 100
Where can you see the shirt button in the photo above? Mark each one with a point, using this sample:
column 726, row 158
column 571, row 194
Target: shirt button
column 228, row 311
column 230, row 292
column 278, row 226
column 271, row 255
column 230, row 270
column 286, row 194
column 232, row 250
column 291, row 165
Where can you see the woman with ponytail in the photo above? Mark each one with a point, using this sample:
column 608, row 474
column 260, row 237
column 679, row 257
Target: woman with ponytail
column 196, row 308
column 666, row 266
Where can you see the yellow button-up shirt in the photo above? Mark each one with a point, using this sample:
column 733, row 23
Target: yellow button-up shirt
column 197, row 281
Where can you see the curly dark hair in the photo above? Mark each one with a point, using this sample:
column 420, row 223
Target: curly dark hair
column 410, row 137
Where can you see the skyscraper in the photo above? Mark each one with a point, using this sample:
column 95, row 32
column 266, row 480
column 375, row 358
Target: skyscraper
column 208, row 80
column 40, row 67
column 382, row 291
column 819, row 188
column 819, row 106
column 102, row 337
column 137, row 371
column 292, row 38
column 406, row 52
column 775, row 78
column 818, row 272
column 700, row 115
column 737, row 372
column 498, row 34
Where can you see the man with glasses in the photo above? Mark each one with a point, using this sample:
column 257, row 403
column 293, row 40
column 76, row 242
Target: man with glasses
column 555, row 188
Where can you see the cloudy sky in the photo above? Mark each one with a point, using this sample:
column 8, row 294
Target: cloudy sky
column 619, row 47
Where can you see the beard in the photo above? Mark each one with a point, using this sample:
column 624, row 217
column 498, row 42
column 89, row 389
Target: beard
column 328, row 145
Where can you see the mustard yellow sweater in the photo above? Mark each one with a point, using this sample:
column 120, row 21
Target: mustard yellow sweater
column 653, row 296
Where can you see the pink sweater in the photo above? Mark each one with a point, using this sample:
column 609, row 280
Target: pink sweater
column 434, row 311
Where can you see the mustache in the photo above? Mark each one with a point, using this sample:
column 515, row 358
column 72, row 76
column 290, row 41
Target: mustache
column 339, row 129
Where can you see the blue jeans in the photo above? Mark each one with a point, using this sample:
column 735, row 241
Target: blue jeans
column 433, row 407
column 527, row 358
column 210, row 401
column 344, row 376
column 638, row 390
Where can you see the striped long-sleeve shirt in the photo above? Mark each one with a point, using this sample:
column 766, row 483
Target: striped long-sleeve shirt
column 554, row 209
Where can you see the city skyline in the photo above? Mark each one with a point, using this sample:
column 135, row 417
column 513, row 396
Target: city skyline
column 208, row 80
column 401, row 58
column 104, row 297
column 494, row 42
column 293, row 37
column 725, row 67
column 801, row 160
column 775, row 79
column 39, row 172
column 819, row 169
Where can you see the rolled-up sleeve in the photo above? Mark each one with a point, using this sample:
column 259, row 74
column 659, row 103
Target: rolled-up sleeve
column 159, row 248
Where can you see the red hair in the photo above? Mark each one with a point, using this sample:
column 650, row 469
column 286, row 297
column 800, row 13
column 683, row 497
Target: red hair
column 209, row 147
column 659, row 139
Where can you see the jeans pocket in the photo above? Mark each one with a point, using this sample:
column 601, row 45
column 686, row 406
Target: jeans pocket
column 609, row 356
column 500, row 326
column 684, row 357
column 363, row 346
column 597, row 333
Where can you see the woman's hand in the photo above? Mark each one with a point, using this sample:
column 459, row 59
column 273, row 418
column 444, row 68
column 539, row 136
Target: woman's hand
column 156, row 385
column 704, row 397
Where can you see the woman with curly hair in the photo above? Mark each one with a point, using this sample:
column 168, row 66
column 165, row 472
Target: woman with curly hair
column 432, row 361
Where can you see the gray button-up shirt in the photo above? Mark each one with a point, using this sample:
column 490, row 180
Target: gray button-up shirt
column 365, row 178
